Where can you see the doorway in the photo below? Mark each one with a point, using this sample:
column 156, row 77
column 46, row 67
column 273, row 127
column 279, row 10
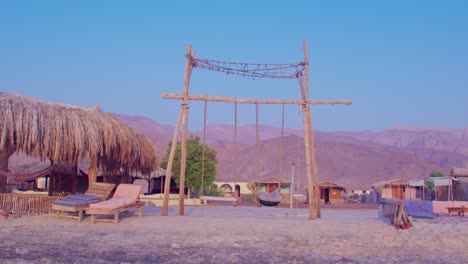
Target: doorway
column 326, row 195
column 238, row 193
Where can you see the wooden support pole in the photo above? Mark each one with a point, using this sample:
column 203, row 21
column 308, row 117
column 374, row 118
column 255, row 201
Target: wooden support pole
column 311, row 135
column 253, row 101
column 93, row 169
column 4, row 157
column 311, row 192
column 167, row 183
column 183, row 160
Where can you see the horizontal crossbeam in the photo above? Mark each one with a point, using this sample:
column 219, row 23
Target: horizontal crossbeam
column 254, row 101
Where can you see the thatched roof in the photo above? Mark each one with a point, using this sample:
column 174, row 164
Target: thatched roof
column 329, row 184
column 68, row 133
column 272, row 180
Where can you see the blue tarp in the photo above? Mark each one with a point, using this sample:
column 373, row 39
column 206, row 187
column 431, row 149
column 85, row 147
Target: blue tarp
column 418, row 208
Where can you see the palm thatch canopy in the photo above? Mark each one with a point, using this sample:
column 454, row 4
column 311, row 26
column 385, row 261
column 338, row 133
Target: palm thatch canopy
column 68, row 134
column 272, row 180
column 268, row 181
column 329, row 184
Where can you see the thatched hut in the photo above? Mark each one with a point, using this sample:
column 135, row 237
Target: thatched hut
column 332, row 193
column 69, row 134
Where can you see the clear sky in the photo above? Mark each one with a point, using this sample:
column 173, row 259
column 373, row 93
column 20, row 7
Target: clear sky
column 400, row 62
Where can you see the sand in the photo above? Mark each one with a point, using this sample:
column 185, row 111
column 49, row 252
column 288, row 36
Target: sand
column 226, row 234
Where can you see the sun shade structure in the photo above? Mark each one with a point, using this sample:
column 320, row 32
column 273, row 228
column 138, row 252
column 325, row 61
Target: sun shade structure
column 68, row 134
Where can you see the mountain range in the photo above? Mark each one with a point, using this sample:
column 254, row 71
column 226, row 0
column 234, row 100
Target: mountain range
column 354, row 159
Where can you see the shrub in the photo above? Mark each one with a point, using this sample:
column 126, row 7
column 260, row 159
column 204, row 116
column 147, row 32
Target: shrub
column 249, row 198
column 214, row 191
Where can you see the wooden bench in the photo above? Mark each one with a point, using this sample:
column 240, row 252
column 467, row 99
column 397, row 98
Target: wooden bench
column 205, row 199
column 459, row 210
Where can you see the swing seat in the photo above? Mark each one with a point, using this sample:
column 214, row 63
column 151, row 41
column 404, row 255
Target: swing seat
column 267, row 203
column 269, row 199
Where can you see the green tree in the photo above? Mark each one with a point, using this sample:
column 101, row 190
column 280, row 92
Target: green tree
column 434, row 174
column 194, row 165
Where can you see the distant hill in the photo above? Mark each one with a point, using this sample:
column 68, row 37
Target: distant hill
column 356, row 159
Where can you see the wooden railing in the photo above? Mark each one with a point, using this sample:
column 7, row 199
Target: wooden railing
column 26, row 204
column 396, row 212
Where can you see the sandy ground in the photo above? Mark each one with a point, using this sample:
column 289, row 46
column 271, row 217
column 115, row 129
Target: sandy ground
column 226, row 234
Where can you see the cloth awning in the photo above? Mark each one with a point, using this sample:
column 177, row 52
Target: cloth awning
column 416, row 182
column 441, row 181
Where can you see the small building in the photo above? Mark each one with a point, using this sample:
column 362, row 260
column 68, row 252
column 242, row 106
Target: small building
column 397, row 189
column 233, row 188
column 332, row 193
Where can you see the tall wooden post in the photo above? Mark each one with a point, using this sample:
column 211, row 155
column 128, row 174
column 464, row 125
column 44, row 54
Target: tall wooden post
column 183, row 161
column 167, row 183
column 311, row 135
column 311, row 192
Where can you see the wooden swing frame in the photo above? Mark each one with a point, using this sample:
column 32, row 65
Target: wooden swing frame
column 311, row 164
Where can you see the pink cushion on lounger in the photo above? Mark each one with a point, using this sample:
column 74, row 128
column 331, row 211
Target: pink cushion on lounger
column 112, row 203
column 127, row 191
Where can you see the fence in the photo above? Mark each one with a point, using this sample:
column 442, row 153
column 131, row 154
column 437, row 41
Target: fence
column 26, row 204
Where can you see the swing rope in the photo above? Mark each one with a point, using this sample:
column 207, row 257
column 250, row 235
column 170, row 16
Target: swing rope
column 204, row 146
column 257, row 142
column 281, row 143
column 235, row 143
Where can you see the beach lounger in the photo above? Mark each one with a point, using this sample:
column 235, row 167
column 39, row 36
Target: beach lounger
column 205, row 199
column 126, row 197
column 78, row 203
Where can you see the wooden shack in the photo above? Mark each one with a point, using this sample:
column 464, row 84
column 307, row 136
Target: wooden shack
column 397, row 189
column 332, row 193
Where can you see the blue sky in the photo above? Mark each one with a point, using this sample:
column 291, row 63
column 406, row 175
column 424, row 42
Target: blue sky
column 400, row 62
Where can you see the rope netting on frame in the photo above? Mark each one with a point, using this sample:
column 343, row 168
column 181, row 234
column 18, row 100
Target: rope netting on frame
column 254, row 70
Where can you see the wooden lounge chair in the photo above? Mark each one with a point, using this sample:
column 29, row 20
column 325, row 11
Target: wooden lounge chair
column 77, row 203
column 126, row 197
